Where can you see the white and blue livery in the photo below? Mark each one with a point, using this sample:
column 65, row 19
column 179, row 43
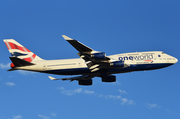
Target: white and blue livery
column 90, row 64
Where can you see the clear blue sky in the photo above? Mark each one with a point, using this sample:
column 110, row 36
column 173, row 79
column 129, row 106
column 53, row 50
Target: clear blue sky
column 112, row 26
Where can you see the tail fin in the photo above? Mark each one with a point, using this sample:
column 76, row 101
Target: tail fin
column 20, row 52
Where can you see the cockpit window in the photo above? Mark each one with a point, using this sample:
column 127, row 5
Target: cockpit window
column 163, row 52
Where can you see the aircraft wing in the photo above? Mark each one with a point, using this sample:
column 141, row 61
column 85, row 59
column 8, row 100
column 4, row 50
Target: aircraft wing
column 95, row 60
column 76, row 44
column 83, row 77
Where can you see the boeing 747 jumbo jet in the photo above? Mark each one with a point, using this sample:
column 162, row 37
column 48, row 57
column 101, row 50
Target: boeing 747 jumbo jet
column 90, row 64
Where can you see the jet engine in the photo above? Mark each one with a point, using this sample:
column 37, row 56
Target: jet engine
column 117, row 64
column 100, row 55
column 109, row 78
column 85, row 82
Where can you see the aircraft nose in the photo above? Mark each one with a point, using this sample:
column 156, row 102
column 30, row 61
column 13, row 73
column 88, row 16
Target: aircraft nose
column 176, row 60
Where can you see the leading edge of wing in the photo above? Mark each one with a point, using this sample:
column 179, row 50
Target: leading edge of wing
column 78, row 45
column 83, row 77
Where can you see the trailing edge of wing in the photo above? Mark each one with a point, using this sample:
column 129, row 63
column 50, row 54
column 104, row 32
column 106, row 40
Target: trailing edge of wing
column 78, row 45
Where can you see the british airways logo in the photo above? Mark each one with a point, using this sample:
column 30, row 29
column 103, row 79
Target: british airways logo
column 138, row 57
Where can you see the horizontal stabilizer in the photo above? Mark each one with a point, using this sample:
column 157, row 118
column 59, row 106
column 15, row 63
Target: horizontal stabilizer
column 19, row 62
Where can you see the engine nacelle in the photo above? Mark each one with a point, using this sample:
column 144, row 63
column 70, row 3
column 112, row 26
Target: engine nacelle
column 109, row 78
column 117, row 64
column 85, row 82
column 100, row 55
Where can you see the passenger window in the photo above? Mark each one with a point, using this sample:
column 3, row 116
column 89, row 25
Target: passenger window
column 159, row 55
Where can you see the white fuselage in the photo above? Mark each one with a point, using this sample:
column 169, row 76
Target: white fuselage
column 137, row 61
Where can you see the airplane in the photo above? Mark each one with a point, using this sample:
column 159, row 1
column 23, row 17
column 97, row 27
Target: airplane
column 91, row 63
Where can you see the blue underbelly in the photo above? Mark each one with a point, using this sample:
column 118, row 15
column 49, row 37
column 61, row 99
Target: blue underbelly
column 137, row 67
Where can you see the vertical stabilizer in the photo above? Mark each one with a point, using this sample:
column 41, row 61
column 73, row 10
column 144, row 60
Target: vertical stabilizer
column 19, row 51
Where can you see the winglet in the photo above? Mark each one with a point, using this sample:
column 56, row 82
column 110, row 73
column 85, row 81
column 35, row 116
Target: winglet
column 66, row 37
